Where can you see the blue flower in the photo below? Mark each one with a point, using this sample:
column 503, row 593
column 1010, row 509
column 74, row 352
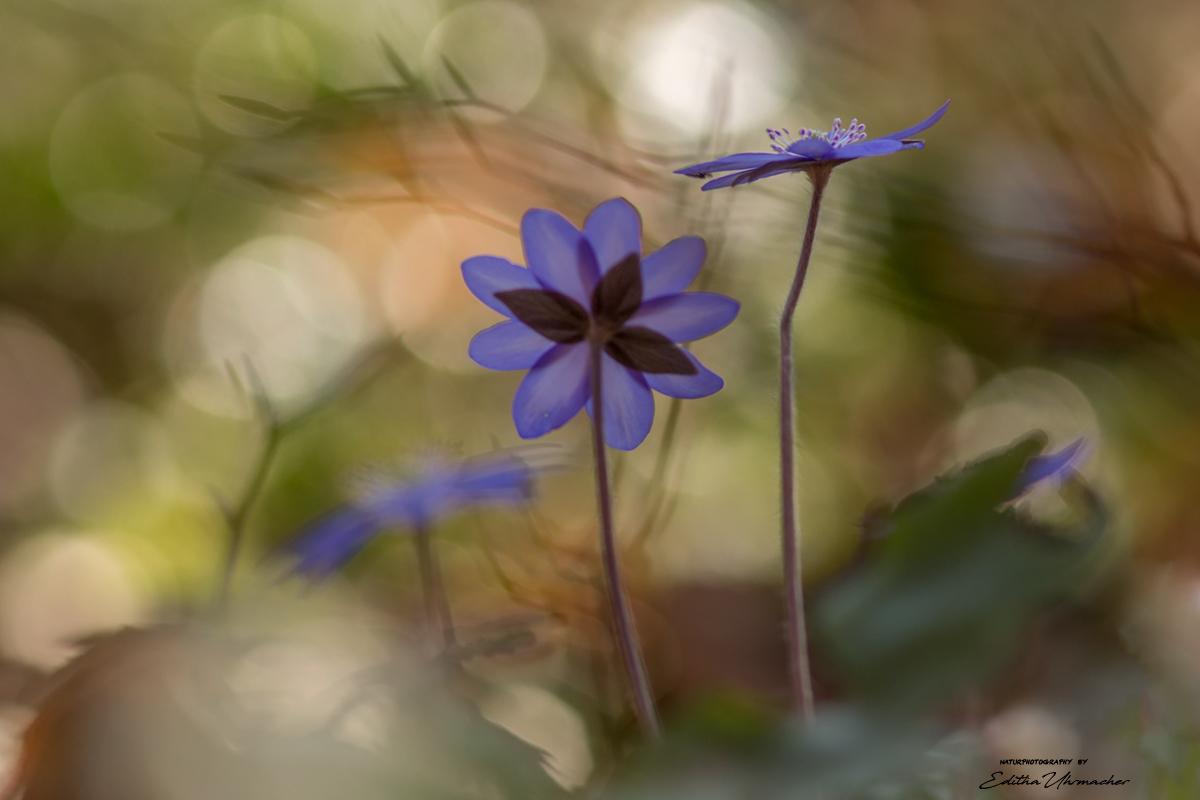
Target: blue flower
column 1052, row 467
column 440, row 488
column 594, row 288
column 806, row 150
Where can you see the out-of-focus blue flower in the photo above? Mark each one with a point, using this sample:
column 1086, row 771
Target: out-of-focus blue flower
column 439, row 488
column 1051, row 467
column 806, row 150
column 594, row 287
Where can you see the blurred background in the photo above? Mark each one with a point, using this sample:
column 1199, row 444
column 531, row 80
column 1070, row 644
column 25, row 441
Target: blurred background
column 212, row 209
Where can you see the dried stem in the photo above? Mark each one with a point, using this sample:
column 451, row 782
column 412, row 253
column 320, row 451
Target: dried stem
column 797, row 632
column 627, row 643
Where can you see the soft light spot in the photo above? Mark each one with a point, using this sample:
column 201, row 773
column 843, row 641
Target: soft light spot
column 284, row 304
column 40, row 388
column 108, row 162
column 422, row 289
column 109, row 455
column 678, row 66
column 350, row 51
column 545, row 721
column 1161, row 622
column 1014, row 403
column 55, row 589
column 14, row 720
column 1030, row 732
column 1176, row 132
column 297, row 684
column 1019, row 199
column 260, row 57
column 498, row 47
column 367, row 724
column 31, row 105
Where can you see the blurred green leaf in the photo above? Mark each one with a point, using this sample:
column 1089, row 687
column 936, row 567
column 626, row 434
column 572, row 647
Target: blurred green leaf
column 260, row 108
column 459, row 79
column 727, row 715
column 407, row 78
column 937, row 521
column 722, row 748
column 279, row 183
column 191, row 143
column 943, row 601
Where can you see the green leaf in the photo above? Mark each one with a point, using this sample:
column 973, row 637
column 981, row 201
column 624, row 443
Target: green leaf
column 944, row 601
column 191, row 143
column 459, row 79
column 259, row 108
column 938, row 520
column 280, row 183
column 407, row 77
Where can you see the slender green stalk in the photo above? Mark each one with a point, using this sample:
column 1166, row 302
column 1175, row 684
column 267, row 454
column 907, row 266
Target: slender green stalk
column 235, row 518
column 367, row 366
column 797, row 630
column 437, row 603
column 627, row 643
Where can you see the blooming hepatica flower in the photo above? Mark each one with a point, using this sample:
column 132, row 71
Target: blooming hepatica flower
column 593, row 288
column 806, row 150
column 440, row 488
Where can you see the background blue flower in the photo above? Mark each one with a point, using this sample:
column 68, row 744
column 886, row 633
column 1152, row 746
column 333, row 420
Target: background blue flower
column 594, row 285
column 1055, row 466
column 441, row 487
column 808, row 149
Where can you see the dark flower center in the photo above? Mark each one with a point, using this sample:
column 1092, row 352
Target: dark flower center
column 552, row 314
column 616, row 298
column 618, row 295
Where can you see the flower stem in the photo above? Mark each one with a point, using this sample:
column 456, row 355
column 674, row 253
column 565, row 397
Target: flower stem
column 235, row 518
column 797, row 632
column 627, row 643
column 437, row 604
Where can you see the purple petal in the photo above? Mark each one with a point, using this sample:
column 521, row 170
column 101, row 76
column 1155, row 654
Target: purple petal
column 509, row 345
column 415, row 503
column 876, row 147
column 1050, row 467
column 752, row 175
column 327, row 544
column 628, row 405
column 734, row 161
column 672, row 267
column 915, row 129
column 684, row 317
column 553, row 391
column 687, row 387
column 614, row 229
column 559, row 256
column 486, row 275
column 502, row 478
column 815, row 149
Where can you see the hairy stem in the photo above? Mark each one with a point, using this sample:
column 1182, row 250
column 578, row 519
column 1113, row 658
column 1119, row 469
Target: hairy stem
column 437, row 603
column 627, row 643
column 797, row 630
